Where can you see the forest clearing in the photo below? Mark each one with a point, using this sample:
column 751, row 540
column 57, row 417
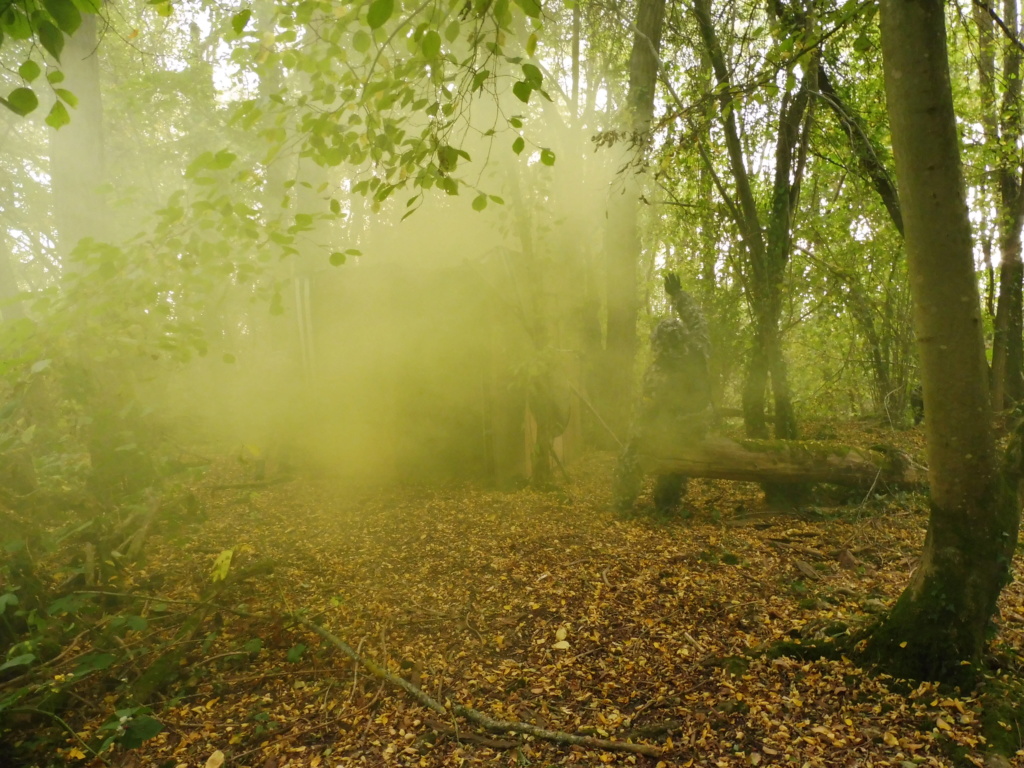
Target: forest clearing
column 545, row 608
column 516, row 382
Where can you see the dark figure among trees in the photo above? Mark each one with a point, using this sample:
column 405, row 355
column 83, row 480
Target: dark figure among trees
column 675, row 399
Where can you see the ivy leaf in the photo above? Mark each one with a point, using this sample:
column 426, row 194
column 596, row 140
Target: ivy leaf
column 21, row 101
column 239, row 20
column 58, row 116
column 64, row 12
column 296, row 652
column 380, row 11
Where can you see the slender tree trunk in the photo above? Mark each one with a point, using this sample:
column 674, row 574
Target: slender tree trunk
column 1002, row 124
column 768, row 244
column 76, row 150
column 624, row 244
column 940, row 619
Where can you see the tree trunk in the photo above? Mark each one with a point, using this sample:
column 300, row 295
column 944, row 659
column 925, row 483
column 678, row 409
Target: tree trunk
column 76, row 150
column 781, row 461
column 768, row 244
column 940, row 619
column 624, row 245
column 1002, row 123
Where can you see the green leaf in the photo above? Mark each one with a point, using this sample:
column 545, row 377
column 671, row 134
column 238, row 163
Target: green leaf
column 6, row 599
column 518, row 145
column 139, row 730
column 136, row 623
column 337, row 259
column 496, row 200
column 229, row 358
column 380, row 11
column 94, row 662
column 18, row 661
column 21, row 101
column 222, row 160
column 361, row 41
column 64, row 12
column 54, row 76
column 335, row 207
column 16, row 24
column 58, row 115
column 451, row 32
column 531, row 45
column 533, row 75
column 522, row 91
column 296, row 652
column 480, row 202
column 51, row 38
column 66, row 96
column 479, row 78
column 239, row 20
column 221, row 566
column 530, row 7
column 253, row 646
column 29, row 71
column 431, row 45
column 547, row 157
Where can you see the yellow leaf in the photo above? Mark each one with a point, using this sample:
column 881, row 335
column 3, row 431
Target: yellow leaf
column 561, row 645
column 76, row 754
column 561, row 634
column 942, row 724
column 890, row 739
column 216, row 760
column 221, row 567
column 903, row 644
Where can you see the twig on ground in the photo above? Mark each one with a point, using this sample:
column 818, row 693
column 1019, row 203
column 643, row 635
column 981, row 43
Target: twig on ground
column 474, row 716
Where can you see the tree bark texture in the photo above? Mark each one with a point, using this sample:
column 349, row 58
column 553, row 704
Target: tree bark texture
column 1002, row 123
column 940, row 619
column 782, row 461
column 76, row 150
column 624, row 244
column 766, row 237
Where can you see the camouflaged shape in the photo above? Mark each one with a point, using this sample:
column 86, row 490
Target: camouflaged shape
column 698, row 338
column 675, row 398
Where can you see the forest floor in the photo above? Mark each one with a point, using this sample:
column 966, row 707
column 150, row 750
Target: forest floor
column 546, row 608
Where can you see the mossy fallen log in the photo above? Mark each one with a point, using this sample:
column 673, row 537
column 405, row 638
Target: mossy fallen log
column 782, row 461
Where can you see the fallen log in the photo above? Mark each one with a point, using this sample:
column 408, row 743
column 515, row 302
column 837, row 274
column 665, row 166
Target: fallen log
column 782, row 461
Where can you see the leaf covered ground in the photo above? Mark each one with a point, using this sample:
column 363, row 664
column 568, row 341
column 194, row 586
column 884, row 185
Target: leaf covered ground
column 541, row 607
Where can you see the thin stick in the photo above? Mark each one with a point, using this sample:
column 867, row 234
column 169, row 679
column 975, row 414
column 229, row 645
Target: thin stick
column 474, row 716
